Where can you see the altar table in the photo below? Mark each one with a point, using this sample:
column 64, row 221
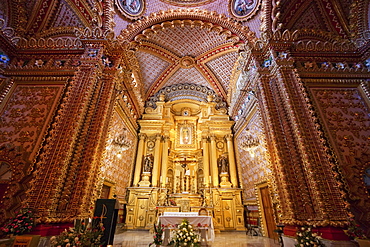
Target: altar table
column 169, row 221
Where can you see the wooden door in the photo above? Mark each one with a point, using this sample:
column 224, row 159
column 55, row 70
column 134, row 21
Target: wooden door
column 142, row 208
column 227, row 210
column 268, row 212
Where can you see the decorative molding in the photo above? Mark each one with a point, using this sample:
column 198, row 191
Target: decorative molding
column 186, row 91
column 188, row 3
column 132, row 30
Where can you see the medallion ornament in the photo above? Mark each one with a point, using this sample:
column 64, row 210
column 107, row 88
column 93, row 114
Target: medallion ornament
column 131, row 9
column 243, row 9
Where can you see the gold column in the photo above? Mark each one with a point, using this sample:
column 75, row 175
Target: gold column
column 164, row 160
column 232, row 166
column 139, row 159
column 157, row 155
column 213, row 164
column 205, row 160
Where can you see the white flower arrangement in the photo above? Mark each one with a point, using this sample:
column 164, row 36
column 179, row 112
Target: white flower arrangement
column 185, row 235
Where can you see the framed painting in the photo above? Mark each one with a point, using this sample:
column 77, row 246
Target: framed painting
column 243, row 9
column 131, row 9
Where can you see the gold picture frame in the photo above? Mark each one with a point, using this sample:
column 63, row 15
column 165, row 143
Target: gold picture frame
column 131, row 9
column 244, row 9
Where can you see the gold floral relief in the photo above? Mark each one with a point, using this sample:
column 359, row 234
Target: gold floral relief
column 26, row 115
column 347, row 118
column 119, row 154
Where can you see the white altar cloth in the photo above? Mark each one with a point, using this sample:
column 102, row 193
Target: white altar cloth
column 205, row 221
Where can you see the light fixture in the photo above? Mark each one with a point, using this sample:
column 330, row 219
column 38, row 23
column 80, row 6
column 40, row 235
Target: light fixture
column 250, row 142
column 121, row 141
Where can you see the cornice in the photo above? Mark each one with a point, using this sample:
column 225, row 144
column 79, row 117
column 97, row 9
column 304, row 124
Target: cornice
column 191, row 15
column 188, row 3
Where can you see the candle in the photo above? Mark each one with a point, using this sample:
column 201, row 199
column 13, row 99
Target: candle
column 210, row 179
column 166, row 180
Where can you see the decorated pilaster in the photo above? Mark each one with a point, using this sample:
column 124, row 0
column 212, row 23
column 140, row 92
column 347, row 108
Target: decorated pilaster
column 214, row 168
column 299, row 151
column 157, row 156
column 231, row 154
column 206, row 161
column 75, row 142
column 139, row 159
column 164, row 161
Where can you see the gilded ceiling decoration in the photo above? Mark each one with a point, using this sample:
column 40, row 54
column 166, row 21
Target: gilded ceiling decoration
column 184, row 38
column 331, row 15
column 197, row 52
column 222, row 67
column 152, row 67
column 311, row 18
column 66, row 17
column 3, row 8
column 191, row 75
column 187, row 3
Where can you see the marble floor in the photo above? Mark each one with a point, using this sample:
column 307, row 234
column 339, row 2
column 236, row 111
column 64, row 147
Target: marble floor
column 223, row 239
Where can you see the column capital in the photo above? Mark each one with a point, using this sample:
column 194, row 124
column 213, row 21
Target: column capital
column 142, row 136
column 205, row 138
column 158, row 137
column 229, row 137
column 212, row 137
column 166, row 138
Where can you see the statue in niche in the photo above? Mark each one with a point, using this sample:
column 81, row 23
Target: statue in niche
column 148, row 163
column 223, row 163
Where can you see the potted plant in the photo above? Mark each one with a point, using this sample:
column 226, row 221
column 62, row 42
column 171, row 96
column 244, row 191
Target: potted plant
column 307, row 238
column 185, row 235
column 157, row 238
column 355, row 232
column 22, row 223
column 80, row 235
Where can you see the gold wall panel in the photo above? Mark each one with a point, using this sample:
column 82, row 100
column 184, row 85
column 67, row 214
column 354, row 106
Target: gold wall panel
column 26, row 114
column 117, row 163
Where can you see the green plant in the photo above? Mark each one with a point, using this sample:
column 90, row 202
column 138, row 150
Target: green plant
column 22, row 223
column 80, row 235
column 307, row 238
column 185, row 235
column 158, row 229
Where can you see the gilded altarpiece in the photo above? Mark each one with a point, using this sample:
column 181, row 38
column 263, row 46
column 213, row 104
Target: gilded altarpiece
column 347, row 118
column 185, row 162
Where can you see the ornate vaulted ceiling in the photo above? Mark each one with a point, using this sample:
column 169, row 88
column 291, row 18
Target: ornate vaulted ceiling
column 199, row 47
column 187, row 52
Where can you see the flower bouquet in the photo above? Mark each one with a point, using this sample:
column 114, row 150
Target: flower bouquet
column 185, row 235
column 158, row 229
column 354, row 230
column 22, row 223
column 307, row 238
column 80, row 235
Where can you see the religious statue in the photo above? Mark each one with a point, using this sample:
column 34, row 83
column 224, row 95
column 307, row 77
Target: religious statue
column 223, row 164
column 148, row 163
